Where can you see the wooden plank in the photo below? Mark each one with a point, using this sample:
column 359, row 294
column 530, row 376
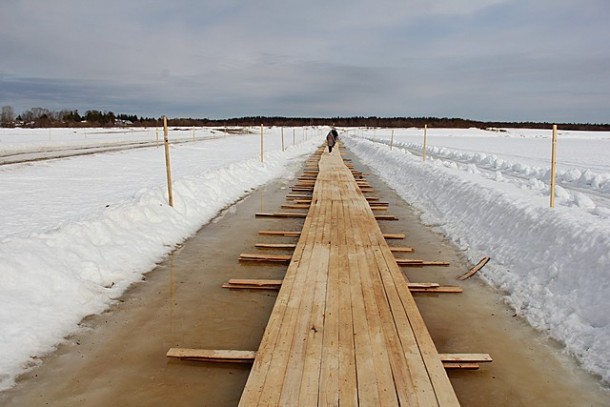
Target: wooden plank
column 423, row 285
column 212, row 355
column 295, row 206
column 275, row 245
column 465, row 357
column 463, row 366
column 386, row 217
column 280, row 215
column 254, row 282
column 287, row 233
column 279, row 258
column 475, row 269
column 379, row 208
column 329, row 367
column 420, row 263
column 396, row 249
column 365, row 368
column 437, row 290
column 298, row 196
column 394, row 235
column 275, row 285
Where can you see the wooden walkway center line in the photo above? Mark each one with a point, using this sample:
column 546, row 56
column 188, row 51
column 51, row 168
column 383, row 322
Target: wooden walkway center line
column 345, row 330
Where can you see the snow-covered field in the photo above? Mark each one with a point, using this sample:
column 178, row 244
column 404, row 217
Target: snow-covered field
column 488, row 191
column 77, row 231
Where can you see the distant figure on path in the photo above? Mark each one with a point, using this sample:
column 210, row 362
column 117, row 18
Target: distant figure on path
column 335, row 134
column 330, row 140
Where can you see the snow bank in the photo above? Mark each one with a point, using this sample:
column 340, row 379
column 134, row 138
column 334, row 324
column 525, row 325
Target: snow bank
column 52, row 277
column 553, row 265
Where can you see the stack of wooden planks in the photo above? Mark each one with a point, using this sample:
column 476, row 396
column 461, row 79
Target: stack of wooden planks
column 345, row 329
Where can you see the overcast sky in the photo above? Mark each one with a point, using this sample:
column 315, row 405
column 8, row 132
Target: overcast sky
column 513, row 60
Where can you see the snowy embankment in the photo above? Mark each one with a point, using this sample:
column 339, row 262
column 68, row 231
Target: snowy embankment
column 552, row 264
column 77, row 232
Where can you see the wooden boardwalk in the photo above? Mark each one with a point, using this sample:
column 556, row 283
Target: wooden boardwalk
column 345, row 329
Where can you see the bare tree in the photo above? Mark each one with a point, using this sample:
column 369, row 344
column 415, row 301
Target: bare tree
column 8, row 116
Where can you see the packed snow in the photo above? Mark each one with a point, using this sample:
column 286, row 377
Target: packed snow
column 69, row 225
column 488, row 191
column 76, row 232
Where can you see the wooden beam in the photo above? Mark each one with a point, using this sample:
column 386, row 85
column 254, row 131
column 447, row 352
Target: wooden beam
column 465, row 357
column 277, row 258
column 292, row 197
column 396, row 249
column 379, row 208
column 394, row 235
column 294, row 233
column 253, row 284
column 288, row 233
column 386, row 217
column 212, row 355
column 462, row 366
column 418, row 263
column 475, row 269
column 449, row 289
column 275, row 245
column 281, row 215
column 276, row 284
column 295, row 206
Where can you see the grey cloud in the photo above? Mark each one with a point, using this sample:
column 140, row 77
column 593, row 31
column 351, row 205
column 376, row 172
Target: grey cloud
column 501, row 59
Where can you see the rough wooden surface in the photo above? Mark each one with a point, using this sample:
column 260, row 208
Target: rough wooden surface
column 345, row 329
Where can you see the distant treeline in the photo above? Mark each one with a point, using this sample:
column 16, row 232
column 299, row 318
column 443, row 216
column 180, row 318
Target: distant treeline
column 41, row 117
column 385, row 122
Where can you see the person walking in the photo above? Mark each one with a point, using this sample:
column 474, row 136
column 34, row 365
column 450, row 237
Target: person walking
column 330, row 140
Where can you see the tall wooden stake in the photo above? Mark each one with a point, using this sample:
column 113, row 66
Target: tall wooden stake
column 425, row 142
column 167, row 162
column 293, row 137
column 157, row 129
column 553, row 165
column 282, row 139
column 262, row 144
column 392, row 140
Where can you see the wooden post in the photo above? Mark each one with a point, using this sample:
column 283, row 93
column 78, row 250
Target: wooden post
column 262, row 144
column 293, row 137
column 157, row 129
column 392, row 140
column 167, row 162
column 282, row 139
column 425, row 142
column 553, row 165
